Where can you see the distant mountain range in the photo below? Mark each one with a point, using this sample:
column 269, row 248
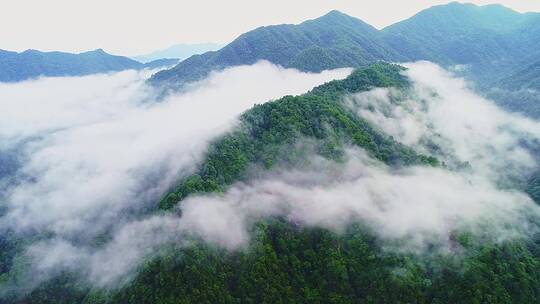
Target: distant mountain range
column 31, row 64
column 485, row 38
column 179, row 51
column 331, row 41
column 491, row 42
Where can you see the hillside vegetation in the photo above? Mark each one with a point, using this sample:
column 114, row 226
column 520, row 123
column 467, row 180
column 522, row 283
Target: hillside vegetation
column 287, row 263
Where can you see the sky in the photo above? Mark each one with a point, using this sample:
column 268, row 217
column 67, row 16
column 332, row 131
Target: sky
column 134, row 27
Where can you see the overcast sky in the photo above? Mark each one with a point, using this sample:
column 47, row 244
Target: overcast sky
column 132, row 27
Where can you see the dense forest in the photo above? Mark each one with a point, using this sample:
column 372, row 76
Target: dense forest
column 489, row 43
column 270, row 133
column 289, row 263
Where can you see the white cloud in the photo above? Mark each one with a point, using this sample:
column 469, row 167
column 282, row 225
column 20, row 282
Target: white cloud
column 441, row 110
column 96, row 149
column 103, row 145
column 421, row 204
column 413, row 206
column 410, row 209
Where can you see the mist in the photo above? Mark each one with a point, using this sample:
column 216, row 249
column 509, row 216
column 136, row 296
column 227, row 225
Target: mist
column 484, row 149
column 93, row 152
column 411, row 210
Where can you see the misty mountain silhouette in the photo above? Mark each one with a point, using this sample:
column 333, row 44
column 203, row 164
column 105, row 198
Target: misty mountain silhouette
column 490, row 40
column 32, row 63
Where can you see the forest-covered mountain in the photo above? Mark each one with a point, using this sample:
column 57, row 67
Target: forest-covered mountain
column 331, row 41
column 483, row 37
column 160, row 63
column 487, row 43
column 31, row 64
column 178, row 51
column 312, row 265
column 519, row 91
column 294, row 263
column 375, row 188
column 525, row 78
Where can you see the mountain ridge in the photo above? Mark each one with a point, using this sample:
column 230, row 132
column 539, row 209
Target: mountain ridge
column 179, row 51
column 305, row 263
column 450, row 34
column 338, row 38
column 290, row 260
column 29, row 64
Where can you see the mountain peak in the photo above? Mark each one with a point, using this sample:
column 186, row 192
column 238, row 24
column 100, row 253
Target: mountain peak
column 487, row 8
column 336, row 15
column 31, row 51
column 96, row 52
column 99, row 51
column 463, row 17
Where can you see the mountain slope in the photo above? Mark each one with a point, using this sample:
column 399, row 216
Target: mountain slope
column 178, row 51
column 331, row 41
column 518, row 91
column 290, row 263
column 304, row 264
column 158, row 63
column 271, row 131
column 526, row 78
column 480, row 37
column 31, row 64
column 525, row 37
column 490, row 40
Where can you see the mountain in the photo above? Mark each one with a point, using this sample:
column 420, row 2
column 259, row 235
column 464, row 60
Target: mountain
column 518, row 91
column 289, row 263
column 490, row 41
column 477, row 36
column 526, row 37
column 179, row 51
column 303, row 264
column 523, row 79
column 159, row 63
column 294, row 118
column 331, row 41
column 331, row 258
column 31, row 64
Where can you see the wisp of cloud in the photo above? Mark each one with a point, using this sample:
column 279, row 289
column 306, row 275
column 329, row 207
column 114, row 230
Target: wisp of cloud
column 415, row 207
column 440, row 115
column 93, row 151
